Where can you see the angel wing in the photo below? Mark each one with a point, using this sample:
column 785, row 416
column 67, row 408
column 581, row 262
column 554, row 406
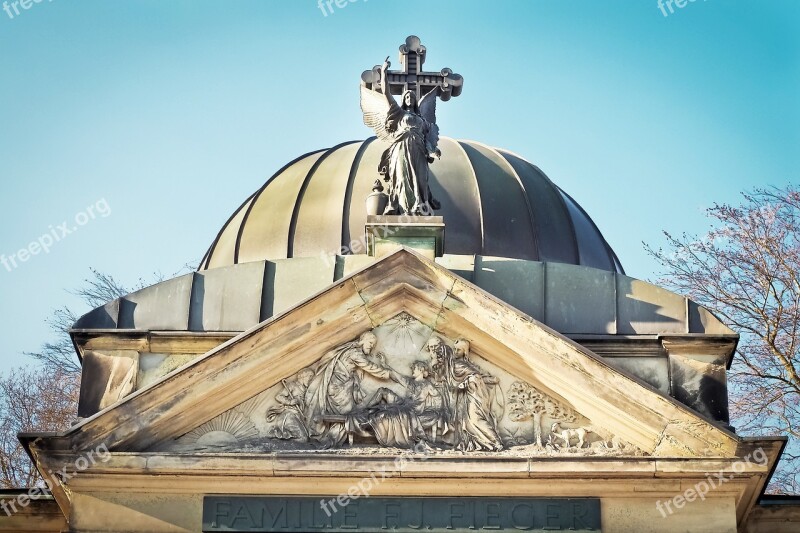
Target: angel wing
column 377, row 109
column 427, row 109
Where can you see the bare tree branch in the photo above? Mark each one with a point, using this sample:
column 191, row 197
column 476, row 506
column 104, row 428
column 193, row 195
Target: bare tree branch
column 32, row 399
column 45, row 397
column 745, row 270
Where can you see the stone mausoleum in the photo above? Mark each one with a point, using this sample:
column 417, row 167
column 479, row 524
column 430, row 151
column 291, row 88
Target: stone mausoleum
column 341, row 361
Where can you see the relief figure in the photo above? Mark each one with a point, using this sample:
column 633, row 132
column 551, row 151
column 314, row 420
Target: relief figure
column 335, row 391
column 287, row 419
column 472, row 393
column 405, row 421
column 410, row 127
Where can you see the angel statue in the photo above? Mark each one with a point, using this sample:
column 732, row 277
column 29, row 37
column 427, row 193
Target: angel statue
column 412, row 131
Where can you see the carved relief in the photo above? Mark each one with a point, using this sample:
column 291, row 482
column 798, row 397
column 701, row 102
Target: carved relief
column 404, row 386
column 335, row 408
column 471, row 393
column 527, row 403
column 228, row 429
column 565, row 432
column 287, row 419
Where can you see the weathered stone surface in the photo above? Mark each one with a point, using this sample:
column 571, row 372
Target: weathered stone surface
column 154, row 366
column 108, row 377
column 580, row 300
column 712, row 515
column 441, row 300
column 779, row 517
column 698, row 372
column 699, row 381
column 643, row 308
column 264, row 360
column 162, row 513
column 41, row 514
column 164, row 305
column 652, row 370
column 504, row 342
column 133, row 484
column 227, row 300
column 416, row 407
column 515, row 281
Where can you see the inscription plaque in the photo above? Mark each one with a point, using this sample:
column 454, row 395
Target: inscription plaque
column 404, row 515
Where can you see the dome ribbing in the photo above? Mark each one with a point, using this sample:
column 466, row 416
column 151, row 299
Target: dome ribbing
column 494, row 203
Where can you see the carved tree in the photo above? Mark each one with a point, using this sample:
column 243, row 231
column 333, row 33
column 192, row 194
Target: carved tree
column 561, row 412
column 527, row 403
column 747, row 271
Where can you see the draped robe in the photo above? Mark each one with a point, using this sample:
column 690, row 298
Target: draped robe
column 336, row 390
column 475, row 425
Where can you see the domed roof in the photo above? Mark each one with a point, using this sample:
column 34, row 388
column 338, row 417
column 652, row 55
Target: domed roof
column 494, row 203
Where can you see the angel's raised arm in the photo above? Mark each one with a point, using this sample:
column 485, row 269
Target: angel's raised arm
column 381, row 112
column 385, row 89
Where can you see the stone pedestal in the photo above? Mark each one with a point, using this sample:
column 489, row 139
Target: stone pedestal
column 424, row 235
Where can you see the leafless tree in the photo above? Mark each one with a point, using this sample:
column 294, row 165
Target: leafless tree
column 45, row 397
column 32, row 399
column 97, row 290
column 746, row 269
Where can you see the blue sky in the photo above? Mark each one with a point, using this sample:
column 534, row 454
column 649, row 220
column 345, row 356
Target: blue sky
column 172, row 113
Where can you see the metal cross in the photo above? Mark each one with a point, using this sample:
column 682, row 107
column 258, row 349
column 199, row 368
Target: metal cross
column 412, row 77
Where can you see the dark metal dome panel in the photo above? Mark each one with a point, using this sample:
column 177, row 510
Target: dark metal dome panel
column 592, row 247
column 552, row 223
column 493, row 202
column 453, row 183
column 363, row 173
column 507, row 228
column 265, row 230
column 319, row 214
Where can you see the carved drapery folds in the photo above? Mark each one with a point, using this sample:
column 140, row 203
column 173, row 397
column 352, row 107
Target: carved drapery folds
column 404, row 386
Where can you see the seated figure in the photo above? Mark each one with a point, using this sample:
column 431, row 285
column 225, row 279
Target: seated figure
column 403, row 421
column 427, row 400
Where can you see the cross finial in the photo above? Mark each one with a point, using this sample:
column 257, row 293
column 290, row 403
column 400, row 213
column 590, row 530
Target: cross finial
column 412, row 77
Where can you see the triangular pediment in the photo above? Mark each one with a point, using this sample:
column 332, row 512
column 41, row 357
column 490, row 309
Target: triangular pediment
column 403, row 385
column 246, row 394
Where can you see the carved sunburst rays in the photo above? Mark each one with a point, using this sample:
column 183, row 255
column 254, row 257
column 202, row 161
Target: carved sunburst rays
column 404, row 335
column 229, row 427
